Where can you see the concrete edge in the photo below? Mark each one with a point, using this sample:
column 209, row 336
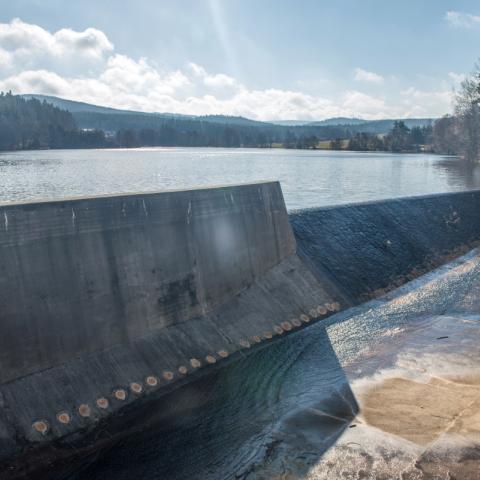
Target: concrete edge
column 380, row 200
column 135, row 194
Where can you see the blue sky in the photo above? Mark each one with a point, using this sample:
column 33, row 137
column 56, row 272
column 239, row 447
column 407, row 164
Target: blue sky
column 265, row 59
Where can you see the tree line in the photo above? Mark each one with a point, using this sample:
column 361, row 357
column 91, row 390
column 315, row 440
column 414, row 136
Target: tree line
column 214, row 131
column 28, row 123
column 399, row 139
column 31, row 124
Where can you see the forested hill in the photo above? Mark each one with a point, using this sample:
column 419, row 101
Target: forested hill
column 35, row 121
column 31, row 124
column 112, row 120
column 85, row 114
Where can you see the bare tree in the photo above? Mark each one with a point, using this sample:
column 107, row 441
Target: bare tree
column 446, row 136
column 467, row 111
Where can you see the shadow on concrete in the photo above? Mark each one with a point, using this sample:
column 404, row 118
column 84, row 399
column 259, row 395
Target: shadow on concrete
column 290, row 400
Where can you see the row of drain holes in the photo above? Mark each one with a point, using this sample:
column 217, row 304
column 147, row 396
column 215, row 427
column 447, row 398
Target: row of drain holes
column 42, row 426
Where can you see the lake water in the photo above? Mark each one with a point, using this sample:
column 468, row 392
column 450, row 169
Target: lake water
column 308, row 178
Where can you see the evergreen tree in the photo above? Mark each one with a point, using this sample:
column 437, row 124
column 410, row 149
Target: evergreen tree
column 28, row 124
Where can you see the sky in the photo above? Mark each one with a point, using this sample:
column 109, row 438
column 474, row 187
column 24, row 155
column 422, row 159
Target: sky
column 262, row 59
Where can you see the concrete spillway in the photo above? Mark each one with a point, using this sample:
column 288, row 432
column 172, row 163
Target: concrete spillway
column 368, row 248
column 108, row 303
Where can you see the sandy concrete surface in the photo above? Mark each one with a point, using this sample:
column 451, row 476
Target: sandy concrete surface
column 420, row 405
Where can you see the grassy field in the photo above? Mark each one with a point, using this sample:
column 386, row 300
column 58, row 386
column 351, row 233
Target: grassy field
column 325, row 144
column 322, row 145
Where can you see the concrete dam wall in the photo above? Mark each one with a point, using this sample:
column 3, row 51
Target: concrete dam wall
column 109, row 302
column 82, row 276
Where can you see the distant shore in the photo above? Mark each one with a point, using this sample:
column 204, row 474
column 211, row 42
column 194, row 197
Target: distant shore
column 321, row 148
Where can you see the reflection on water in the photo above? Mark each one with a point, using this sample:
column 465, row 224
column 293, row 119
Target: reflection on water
column 460, row 172
column 309, row 178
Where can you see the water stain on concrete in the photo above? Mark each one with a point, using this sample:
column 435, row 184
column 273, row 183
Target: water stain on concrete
column 422, row 412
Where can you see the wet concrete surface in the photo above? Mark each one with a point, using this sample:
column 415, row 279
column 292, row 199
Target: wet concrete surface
column 416, row 381
column 386, row 390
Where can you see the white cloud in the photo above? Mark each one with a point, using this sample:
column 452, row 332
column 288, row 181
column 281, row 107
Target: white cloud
column 91, row 42
column 419, row 103
column 35, row 81
column 84, row 66
column 457, row 78
column 365, row 76
column 197, row 70
column 462, row 20
column 355, row 101
column 5, row 59
column 28, row 44
column 126, row 75
column 218, row 80
column 18, row 36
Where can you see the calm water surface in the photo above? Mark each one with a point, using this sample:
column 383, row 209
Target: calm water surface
column 309, row 178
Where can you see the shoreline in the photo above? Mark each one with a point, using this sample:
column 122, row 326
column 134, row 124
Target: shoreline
column 164, row 147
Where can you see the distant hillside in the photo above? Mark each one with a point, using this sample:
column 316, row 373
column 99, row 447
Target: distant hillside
column 32, row 121
column 73, row 106
column 89, row 116
column 329, row 122
column 94, row 125
column 291, row 123
column 339, row 121
column 373, row 126
column 231, row 120
column 383, row 126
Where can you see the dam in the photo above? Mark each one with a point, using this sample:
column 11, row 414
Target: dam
column 109, row 304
